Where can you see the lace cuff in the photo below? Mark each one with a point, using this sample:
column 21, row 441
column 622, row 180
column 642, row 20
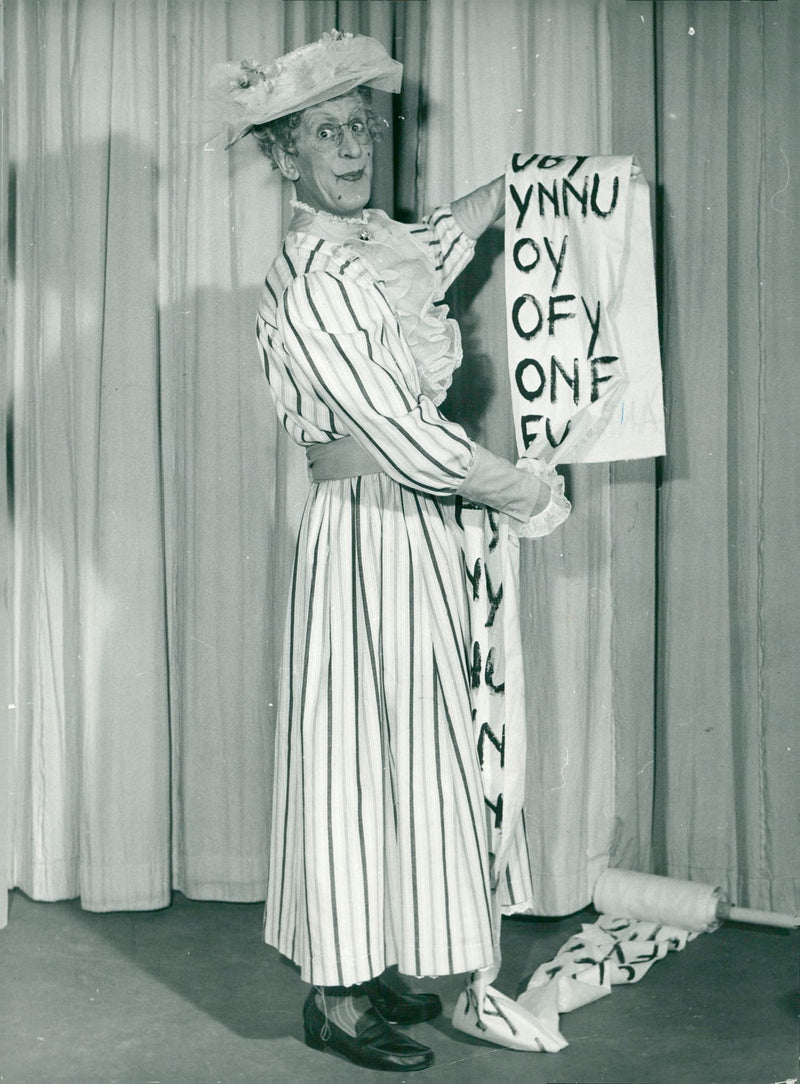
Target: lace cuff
column 557, row 508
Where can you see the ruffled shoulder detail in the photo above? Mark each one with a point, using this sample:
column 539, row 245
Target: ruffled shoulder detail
column 407, row 271
column 407, row 262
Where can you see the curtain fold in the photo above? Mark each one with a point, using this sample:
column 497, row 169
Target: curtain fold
column 7, row 637
column 727, row 806
column 155, row 502
column 497, row 83
column 89, row 606
column 153, row 498
column 225, row 507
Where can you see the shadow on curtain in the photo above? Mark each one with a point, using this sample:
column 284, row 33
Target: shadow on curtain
column 659, row 622
column 728, row 615
column 155, row 502
column 499, row 81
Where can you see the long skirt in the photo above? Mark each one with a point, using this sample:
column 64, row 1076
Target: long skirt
column 379, row 849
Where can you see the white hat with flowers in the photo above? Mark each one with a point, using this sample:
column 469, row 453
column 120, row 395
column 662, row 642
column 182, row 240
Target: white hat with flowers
column 334, row 65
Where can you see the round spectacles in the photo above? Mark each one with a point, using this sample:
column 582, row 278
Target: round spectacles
column 329, row 137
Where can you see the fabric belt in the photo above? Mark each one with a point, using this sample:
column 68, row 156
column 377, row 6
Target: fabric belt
column 342, row 458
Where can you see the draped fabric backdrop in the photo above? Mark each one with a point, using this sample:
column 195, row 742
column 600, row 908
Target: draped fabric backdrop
column 728, row 618
column 153, row 502
column 478, row 68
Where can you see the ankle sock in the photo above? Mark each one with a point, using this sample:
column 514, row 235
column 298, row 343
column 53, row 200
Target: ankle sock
column 345, row 1010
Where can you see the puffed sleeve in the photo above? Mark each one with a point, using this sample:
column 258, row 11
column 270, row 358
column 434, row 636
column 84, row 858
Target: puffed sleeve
column 450, row 248
column 347, row 350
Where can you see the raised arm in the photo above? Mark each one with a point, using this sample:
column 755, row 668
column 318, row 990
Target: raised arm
column 476, row 212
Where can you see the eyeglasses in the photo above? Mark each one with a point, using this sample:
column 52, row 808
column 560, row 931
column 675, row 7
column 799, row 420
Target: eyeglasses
column 329, row 136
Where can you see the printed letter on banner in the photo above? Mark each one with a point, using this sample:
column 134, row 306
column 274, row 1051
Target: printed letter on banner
column 583, row 349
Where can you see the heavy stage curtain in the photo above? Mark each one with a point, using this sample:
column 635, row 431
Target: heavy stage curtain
column 153, row 501
column 660, row 621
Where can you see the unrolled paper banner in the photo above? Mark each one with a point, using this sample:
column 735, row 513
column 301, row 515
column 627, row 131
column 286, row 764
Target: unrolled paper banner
column 609, row 952
column 583, row 346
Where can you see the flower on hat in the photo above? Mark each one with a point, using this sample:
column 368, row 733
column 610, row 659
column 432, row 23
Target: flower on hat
column 333, row 65
column 254, row 88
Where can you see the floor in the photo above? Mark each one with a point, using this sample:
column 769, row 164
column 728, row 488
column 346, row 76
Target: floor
column 190, row 995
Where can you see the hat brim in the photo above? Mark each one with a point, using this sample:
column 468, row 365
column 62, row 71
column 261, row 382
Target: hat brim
column 390, row 81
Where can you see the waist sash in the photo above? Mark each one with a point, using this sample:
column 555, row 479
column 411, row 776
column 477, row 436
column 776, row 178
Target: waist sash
column 343, row 458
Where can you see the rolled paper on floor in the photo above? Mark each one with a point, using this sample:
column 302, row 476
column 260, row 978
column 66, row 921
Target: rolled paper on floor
column 648, row 898
column 729, row 912
column 668, row 901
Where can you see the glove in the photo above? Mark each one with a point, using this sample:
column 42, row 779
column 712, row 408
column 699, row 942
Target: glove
column 476, row 212
column 498, row 484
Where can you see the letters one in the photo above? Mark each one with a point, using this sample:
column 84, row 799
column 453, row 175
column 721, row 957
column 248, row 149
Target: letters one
column 532, row 378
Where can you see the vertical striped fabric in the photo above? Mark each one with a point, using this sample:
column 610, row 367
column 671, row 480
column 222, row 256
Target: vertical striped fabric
column 379, row 849
column 379, row 845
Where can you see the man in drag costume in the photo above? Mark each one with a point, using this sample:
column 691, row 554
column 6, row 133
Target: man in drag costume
column 380, row 854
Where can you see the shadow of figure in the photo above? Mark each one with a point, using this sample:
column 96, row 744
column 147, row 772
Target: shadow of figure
column 211, row 955
column 477, row 381
column 153, row 560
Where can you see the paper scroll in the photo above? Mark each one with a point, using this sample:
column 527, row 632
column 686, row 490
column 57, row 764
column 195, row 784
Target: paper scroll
column 584, row 360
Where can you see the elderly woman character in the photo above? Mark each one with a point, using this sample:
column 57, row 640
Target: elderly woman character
column 379, row 850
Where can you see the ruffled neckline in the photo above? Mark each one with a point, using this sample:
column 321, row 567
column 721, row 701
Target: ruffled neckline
column 331, row 227
column 403, row 267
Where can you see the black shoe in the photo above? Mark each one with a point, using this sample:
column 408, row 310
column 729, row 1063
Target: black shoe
column 379, row 1046
column 399, row 1008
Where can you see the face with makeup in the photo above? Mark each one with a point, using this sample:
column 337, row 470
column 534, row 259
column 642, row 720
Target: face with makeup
column 331, row 165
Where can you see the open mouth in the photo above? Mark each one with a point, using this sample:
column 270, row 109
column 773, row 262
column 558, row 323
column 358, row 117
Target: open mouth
column 355, row 175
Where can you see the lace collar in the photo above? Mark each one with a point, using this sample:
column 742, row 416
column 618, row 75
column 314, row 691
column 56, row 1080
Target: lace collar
column 329, row 226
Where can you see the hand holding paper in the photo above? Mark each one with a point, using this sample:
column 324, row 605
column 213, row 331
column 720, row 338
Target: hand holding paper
column 557, row 508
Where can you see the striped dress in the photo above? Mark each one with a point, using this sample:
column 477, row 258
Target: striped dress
column 379, row 844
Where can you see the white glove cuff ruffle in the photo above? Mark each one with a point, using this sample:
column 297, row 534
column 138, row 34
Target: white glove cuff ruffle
column 557, row 508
